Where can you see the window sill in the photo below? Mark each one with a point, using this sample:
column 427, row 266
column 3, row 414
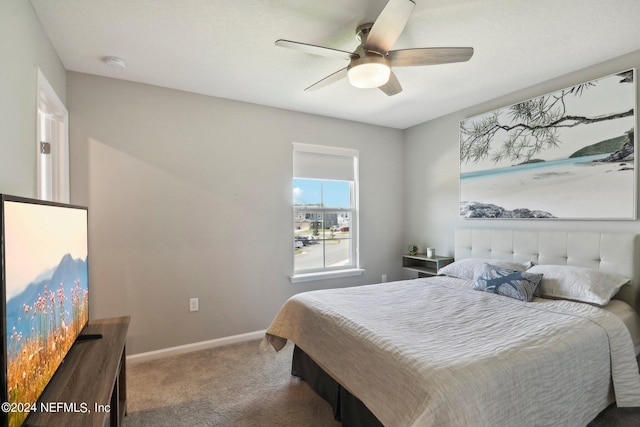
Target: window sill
column 326, row 275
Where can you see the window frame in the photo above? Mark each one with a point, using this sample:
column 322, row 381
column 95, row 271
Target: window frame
column 340, row 271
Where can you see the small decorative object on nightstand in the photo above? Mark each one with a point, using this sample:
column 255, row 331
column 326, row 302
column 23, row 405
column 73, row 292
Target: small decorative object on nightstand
column 413, row 249
column 424, row 265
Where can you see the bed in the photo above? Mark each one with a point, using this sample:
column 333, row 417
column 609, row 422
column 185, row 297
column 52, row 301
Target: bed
column 439, row 352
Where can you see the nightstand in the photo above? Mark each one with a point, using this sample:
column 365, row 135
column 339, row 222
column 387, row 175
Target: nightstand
column 424, row 265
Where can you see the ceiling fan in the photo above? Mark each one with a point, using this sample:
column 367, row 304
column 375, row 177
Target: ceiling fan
column 370, row 64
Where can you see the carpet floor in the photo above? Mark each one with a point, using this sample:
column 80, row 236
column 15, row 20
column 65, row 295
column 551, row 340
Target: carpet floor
column 235, row 385
column 241, row 385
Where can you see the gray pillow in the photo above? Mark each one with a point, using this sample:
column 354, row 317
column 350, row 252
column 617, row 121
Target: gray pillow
column 520, row 285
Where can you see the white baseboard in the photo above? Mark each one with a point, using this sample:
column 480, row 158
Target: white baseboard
column 187, row 348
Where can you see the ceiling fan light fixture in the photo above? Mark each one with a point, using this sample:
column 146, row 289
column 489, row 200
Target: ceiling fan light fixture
column 369, row 72
column 370, row 64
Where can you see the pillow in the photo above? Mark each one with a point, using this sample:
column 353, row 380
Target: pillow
column 578, row 283
column 520, row 285
column 470, row 268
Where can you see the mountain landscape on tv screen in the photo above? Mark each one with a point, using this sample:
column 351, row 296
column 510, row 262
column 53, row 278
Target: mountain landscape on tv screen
column 44, row 303
column 43, row 322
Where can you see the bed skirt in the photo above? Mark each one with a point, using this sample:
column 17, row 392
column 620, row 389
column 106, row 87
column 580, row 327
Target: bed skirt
column 347, row 408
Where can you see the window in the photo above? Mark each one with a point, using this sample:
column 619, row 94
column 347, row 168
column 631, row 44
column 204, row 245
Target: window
column 325, row 216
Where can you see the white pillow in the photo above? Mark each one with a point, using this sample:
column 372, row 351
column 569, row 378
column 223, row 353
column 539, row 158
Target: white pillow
column 471, row 268
column 578, row 283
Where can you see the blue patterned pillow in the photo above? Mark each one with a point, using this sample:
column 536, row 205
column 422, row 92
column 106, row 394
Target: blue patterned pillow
column 509, row 283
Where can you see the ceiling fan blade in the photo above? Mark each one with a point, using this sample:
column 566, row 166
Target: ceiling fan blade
column 389, row 25
column 391, row 87
column 331, row 78
column 429, row 56
column 317, row 50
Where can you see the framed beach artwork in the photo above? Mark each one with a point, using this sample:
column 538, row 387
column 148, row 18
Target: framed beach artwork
column 569, row 154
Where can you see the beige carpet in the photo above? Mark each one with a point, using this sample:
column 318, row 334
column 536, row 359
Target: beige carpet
column 235, row 385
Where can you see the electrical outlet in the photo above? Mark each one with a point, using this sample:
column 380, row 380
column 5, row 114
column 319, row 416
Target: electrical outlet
column 384, row 278
column 193, row 304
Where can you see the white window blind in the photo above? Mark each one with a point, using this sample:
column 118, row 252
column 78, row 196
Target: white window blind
column 322, row 166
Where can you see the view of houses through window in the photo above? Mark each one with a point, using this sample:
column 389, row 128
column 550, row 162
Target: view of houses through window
column 322, row 223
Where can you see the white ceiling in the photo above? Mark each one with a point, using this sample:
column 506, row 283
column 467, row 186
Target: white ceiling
column 225, row 48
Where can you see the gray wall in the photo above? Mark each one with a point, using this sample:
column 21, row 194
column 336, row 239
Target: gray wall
column 190, row 196
column 431, row 158
column 23, row 47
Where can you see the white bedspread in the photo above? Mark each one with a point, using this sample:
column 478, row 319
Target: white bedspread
column 434, row 352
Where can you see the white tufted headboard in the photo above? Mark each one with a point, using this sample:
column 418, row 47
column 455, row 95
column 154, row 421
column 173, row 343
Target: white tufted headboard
column 608, row 252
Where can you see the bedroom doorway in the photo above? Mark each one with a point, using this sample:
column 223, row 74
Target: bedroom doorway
column 52, row 144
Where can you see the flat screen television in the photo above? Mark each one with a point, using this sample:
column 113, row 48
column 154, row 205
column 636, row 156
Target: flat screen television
column 45, row 295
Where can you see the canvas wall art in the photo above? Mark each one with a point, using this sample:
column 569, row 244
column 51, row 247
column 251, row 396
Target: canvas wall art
column 565, row 155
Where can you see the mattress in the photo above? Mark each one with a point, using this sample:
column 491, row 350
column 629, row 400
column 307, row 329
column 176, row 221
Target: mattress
column 435, row 352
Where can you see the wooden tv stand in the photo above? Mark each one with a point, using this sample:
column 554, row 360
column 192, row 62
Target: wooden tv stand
column 89, row 388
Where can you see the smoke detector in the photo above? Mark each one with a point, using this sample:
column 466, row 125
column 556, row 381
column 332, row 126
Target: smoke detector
column 115, row 62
